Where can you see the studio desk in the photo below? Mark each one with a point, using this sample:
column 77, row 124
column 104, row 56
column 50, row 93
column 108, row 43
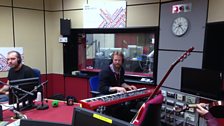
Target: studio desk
column 61, row 114
column 64, row 113
column 116, row 98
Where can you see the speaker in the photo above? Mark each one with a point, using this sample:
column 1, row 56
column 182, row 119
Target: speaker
column 65, row 27
column 213, row 56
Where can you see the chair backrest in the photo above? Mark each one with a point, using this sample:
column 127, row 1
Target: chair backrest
column 150, row 115
column 94, row 83
column 37, row 73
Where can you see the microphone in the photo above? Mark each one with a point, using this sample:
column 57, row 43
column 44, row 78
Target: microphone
column 41, row 85
column 42, row 106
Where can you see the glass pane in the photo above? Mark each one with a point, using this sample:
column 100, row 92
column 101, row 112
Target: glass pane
column 138, row 49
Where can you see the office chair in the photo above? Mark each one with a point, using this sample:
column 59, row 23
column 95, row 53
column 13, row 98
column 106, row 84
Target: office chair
column 94, row 83
column 4, row 98
column 150, row 115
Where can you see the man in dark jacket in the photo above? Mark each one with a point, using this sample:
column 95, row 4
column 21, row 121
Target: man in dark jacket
column 112, row 77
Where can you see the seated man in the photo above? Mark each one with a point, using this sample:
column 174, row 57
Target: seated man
column 111, row 80
column 17, row 71
column 112, row 77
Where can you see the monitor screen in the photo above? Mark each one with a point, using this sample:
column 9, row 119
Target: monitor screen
column 202, row 82
column 29, row 122
column 84, row 117
column 27, row 85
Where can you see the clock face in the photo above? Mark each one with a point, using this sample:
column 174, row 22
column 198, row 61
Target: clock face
column 180, row 26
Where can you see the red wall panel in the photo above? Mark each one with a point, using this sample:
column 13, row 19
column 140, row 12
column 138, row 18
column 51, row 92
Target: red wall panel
column 55, row 84
column 77, row 87
column 3, row 80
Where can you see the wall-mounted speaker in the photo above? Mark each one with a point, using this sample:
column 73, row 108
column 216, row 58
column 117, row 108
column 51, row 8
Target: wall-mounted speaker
column 214, row 47
column 65, row 27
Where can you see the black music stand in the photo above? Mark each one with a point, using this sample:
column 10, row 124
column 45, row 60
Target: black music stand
column 17, row 115
column 42, row 106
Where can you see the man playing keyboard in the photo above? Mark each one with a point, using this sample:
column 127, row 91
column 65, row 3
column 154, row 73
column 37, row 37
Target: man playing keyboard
column 111, row 81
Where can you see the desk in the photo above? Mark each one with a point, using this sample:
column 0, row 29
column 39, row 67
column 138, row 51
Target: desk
column 63, row 113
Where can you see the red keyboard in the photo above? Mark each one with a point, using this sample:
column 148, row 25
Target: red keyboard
column 111, row 99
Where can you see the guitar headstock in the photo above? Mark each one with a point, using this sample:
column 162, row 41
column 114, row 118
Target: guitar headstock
column 186, row 54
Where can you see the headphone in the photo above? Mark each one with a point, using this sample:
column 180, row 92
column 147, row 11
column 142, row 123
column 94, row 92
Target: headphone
column 70, row 100
column 119, row 54
column 19, row 57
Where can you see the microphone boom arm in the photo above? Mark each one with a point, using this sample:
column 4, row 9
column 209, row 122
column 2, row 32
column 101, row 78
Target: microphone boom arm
column 42, row 84
column 17, row 88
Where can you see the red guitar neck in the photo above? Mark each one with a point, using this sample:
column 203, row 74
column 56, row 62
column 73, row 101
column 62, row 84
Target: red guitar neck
column 169, row 71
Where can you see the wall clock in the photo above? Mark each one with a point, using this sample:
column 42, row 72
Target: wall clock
column 180, row 26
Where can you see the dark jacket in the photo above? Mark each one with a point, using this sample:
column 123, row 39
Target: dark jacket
column 108, row 78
